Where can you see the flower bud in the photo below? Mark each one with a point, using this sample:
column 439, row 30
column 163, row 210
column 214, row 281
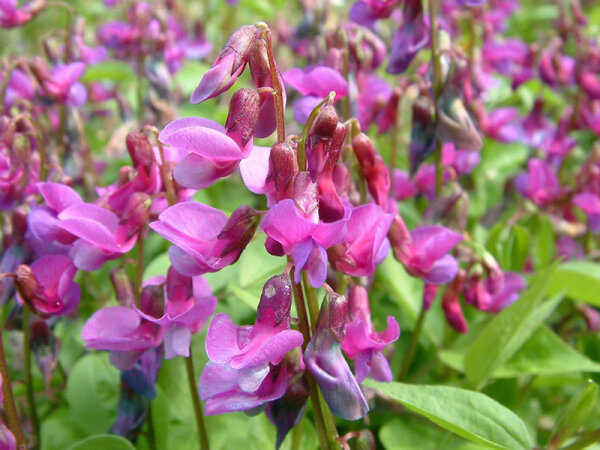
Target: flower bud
column 454, row 124
column 451, row 304
column 243, row 116
column 422, row 135
column 240, row 43
column 137, row 212
column 239, row 230
column 179, row 287
column 122, row 286
column 325, row 124
column 153, row 300
column 284, row 167
column 332, row 316
column 26, row 283
column 331, row 207
column 276, row 299
column 140, row 151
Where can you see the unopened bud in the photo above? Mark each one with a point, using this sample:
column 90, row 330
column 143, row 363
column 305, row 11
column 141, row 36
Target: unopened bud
column 239, row 230
column 284, row 167
column 243, row 116
column 123, row 286
column 137, row 211
column 179, row 287
column 325, row 124
column 153, row 300
column 334, row 310
column 364, row 149
column 26, row 283
column 454, row 124
column 240, row 43
column 140, row 150
column 276, row 299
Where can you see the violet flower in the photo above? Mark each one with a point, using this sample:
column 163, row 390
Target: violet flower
column 411, row 37
column 244, row 370
column 60, row 83
column 11, row 16
column 367, row 12
column 539, row 183
column 205, row 240
column 362, row 343
column 590, row 204
column 326, row 363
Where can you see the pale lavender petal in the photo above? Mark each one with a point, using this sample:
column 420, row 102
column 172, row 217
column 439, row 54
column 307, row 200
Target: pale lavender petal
column 442, row 271
column 304, row 106
column 197, row 172
column 255, row 168
column 177, row 342
column 58, row 196
column 222, row 339
column 215, row 81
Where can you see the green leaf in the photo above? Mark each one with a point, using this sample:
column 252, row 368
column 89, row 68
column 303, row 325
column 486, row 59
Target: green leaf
column 516, row 251
column 580, row 280
column 509, row 330
column 471, row 415
column 104, row 442
column 574, row 415
column 92, row 393
column 544, row 247
column 543, row 354
column 59, row 431
column 109, row 70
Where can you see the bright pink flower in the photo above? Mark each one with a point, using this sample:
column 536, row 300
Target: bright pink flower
column 411, row 37
column 539, row 183
column 362, row 343
column 590, row 204
column 11, row 16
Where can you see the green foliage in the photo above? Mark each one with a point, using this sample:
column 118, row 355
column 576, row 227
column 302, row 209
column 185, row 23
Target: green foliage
column 471, row 415
column 104, row 442
column 574, row 415
column 579, row 280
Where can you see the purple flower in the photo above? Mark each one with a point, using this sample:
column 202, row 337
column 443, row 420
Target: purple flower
column 60, row 83
column 11, row 16
column 362, row 343
column 326, row 363
column 402, row 186
column 411, row 37
column 367, row 12
column 203, row 237
column 244, row 369
column 366, row 244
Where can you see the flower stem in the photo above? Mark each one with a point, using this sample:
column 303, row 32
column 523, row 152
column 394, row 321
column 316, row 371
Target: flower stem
column 412, row 346
column 9, row 400
column 202, row 436
column 437, row 92
column 151, row 434
column 28, row 380
column 278, row 96
column 301, row 311
column 311, row 299
column 318, row 413
column 585, row 441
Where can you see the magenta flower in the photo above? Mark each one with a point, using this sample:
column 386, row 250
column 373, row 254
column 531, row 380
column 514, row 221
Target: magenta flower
column 47, row 285
column 424, row 251
column 367, row 12
column 229, row 64
column 402, row 186
column 362, row 343
column 203, row 237
column 366, row 244
column 304, row 237
column 188, row 305
column 11, row 16
column 244, row 369
column 494, row 293
column 539, row 183
column 60, row 83
column 590, row 204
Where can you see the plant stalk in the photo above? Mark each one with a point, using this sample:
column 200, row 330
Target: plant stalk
column 28, row 379
column 437, row 92
column 202, row 435
column 412, row 346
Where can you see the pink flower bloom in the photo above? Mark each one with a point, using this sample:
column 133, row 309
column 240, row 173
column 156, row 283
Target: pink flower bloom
column 362, row 343
column 60, row 83
column 590, row 204
column 201, row 236
column 11, row 16
column 539, row 183
column 367, row 12
column 403, row 187
column 411, row 37
column 366, row 244
column 47, row 285
column 304, row 237
column 188, row 305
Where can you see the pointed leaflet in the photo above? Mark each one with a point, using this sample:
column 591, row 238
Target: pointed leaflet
column 472, row 415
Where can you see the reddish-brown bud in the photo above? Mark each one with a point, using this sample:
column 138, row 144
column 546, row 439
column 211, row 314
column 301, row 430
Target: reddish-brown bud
column 277, row 298
column 325, row 124
column 26, row 283
column 284, row 167
column 140, row 151
column 239, row 230
column 240, row 43
column 243, row 116
column 334, row 310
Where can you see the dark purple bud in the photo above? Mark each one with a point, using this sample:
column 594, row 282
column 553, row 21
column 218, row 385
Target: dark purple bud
column 239, row 230
column 451, row 303
column 373, row 168
column 153, row 300
column 363, row 149
column 455, row 125
column 422, row 135
column 276, row 300
column 179, row 287
column 331, row 207
column 323, row 139
column 273, row 247
column 45, row 347
column 123, row 286
column 243, row 116
column 140, row 151
column 284, row 167
column 325, row 124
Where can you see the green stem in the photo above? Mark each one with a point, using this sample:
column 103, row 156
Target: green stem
column 437, row 92
column 318, row 413
column 301, row 311
column 301, row 149
column 9, row 399
column 311, row 299
column 297, row 434
column 279, row 108
column 151, row 434
column 28, row 379
column 585, row 441
column 412, row 346
column 202, row 436
column 139, row 269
